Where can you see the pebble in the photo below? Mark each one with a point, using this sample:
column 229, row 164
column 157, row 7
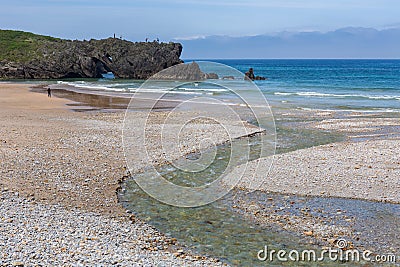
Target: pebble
column 49, row 235
column 308, row 233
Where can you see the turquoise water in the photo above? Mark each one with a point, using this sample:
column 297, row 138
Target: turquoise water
column 328, row 84
column 363, row 85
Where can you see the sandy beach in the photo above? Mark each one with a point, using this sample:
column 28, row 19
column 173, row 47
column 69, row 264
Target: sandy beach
column 61, row 168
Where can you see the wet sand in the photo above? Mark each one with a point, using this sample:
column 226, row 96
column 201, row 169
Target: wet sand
column 96, row 101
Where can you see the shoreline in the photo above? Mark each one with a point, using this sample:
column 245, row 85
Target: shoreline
column 94, row 127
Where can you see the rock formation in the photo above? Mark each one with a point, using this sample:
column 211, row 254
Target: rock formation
column 188, row 72
column 212, row 76
column 250, row 75
column 51, row 58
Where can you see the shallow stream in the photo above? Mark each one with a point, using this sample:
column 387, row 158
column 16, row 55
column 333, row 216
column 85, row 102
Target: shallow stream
column 220, row 231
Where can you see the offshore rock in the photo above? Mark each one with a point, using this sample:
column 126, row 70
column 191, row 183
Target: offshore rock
column 250, row 75
column 212, row 75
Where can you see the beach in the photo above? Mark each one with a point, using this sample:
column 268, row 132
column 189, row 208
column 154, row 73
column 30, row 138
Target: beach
column 355, row 182
column 61, row 168
column 367, row 170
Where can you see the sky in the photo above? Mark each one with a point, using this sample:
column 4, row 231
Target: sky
column 136, row 20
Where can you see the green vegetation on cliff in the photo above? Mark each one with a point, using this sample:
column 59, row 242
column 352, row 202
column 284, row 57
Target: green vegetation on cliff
column 19, row 46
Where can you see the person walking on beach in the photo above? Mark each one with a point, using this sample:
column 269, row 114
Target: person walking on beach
column 48, row 92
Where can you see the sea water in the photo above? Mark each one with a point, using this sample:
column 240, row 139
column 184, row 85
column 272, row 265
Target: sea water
column 359, row 85
column 371, row 85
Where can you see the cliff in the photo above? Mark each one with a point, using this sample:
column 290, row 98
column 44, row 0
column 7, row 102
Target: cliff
column 29, row 56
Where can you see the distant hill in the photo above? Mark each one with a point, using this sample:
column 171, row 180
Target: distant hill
column 343, row 43
column 26, row 55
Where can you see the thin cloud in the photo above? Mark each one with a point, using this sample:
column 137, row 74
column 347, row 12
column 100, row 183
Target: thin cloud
column 189, row 38
column 309, row 4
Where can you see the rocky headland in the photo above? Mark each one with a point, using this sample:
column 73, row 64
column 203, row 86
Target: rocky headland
column 29, row 56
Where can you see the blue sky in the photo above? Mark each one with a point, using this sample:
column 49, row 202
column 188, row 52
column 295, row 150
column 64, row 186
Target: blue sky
column 138, row 19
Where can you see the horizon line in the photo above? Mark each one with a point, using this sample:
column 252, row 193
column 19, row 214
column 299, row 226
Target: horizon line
column 198, row 59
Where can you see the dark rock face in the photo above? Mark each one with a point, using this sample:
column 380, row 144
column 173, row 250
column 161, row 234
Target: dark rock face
column 186, row 72
column 91, row 59
column 250, row 75
column 212, row 75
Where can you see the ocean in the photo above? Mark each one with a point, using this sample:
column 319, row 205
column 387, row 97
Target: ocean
column 369, row 85
column 353, row 85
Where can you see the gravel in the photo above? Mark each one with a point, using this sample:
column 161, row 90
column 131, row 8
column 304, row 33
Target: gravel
column 34, row 234
column 367, row 170
column 59, row 176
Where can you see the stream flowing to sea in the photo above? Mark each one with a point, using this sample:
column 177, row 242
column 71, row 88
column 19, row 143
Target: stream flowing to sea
column 363, row 86
column 217, row 229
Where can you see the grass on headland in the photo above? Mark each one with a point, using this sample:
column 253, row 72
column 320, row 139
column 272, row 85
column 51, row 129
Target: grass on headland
column 19, row 46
